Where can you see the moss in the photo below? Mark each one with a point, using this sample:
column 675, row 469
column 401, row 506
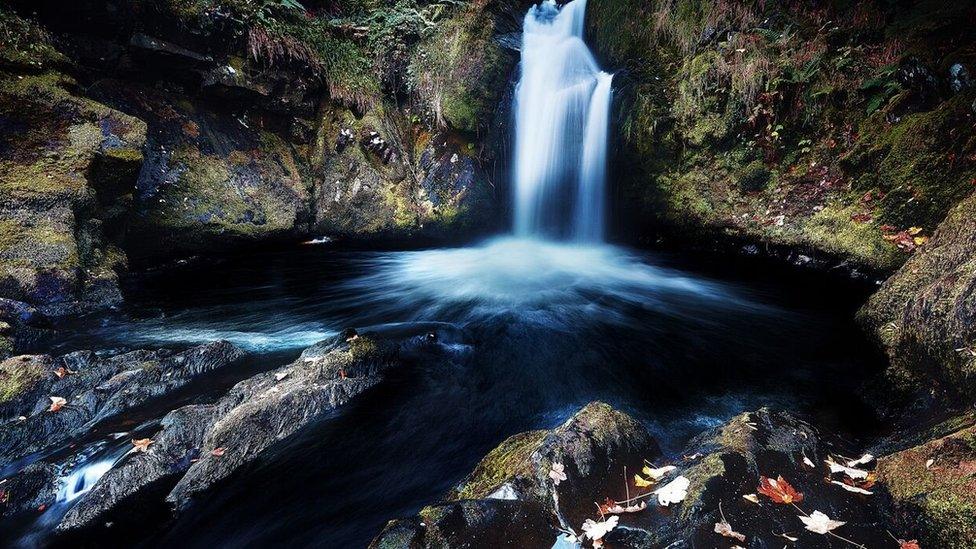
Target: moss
column 17, row 374
column 363, row 348
column 24, row 43
column 509, row 459
column 753, row 177
column 938, row 500
column 832, row 230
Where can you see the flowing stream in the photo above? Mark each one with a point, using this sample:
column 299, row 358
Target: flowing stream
column 554, row 318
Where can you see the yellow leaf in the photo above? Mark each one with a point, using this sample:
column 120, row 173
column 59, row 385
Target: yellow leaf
column 642, row 482
column 914, row 230
column 919, row 240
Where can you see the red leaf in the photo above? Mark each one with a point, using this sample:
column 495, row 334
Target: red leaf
column 913, row 544
column 779, row 490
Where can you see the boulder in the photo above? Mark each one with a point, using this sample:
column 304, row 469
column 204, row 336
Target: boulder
column 94, row 389
column 198, row 446
column 34, row 487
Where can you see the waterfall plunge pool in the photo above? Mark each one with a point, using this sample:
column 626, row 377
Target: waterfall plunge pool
column 682, row 344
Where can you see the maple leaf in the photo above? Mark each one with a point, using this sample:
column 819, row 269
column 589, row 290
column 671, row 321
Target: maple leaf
column 854, row 473
column 596, row 530
column 653, row 475
column 673, row 492
column 141, row 445
column 61, row 371
column 557, row 473
column 57, row 403
column 726, row 530
column 779, row 490
column 911, row 544
column 611, row 507
column 217, row 452
column 820, row 523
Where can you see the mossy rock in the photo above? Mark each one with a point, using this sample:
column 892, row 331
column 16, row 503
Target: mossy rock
column 753, row 177
column 935, row 502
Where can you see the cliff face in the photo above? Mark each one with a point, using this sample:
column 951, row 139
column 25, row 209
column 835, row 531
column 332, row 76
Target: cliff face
column 833, row 127
column 143, row 131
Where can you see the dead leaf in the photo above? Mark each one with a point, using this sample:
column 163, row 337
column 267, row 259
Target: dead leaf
column 673, row 492
column 141, row 445
column 863, row 460
column 617, row 509
column 61, row 371
column 788, row 538
column 808, row 462
column 726, row 530
column 57, row 403
column 820, row 523
column 779, row 490
column 928, row 464
column 849, row 471
column 911, row 544
column 751, row 498
column 217, row 452
column 281, row 375
column 852, row 488
column 653, row 475
column 557, row 473
column 914, row 230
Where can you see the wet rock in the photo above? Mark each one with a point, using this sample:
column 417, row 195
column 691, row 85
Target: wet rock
column 916, row 76
column 512, row 484
column 924, row 315
column 959, row 78
column 34, row 487
column 95, row 388
column 158, row 46
column 200, row 445
column 373, row 142
column 933, row 491
column 508, row 488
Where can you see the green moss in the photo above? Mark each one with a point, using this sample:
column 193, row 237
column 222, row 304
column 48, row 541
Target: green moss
column 753, row 177
column 17, row 374
column 24, row 43
column 938, row 498
column 509, row 459
column 364, row 348
column 832, row 230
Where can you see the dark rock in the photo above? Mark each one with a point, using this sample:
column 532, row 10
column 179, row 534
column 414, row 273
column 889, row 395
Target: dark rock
column 97, row 389
column 34, row 487
column 959, row 78
column 163, row 47
column 254, row 415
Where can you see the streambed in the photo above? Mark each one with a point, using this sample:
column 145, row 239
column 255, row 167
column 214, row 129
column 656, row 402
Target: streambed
column 680, row 344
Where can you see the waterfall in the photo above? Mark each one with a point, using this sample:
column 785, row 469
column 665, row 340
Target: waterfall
column 562, row 105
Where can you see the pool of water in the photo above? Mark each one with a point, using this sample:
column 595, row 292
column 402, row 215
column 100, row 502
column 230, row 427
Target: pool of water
column 682, row 345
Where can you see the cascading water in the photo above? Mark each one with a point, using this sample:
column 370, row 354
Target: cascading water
column 562, row 106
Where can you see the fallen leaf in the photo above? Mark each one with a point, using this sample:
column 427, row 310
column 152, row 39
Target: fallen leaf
column 217, row 452
column 673, row 492
column 596, row 530
column 820, row 523
column 779, row 490
column 617, row 509
column 281, row 375
column 57, row 403
column 863, row 460
column 42, row 507
column 788, row 538
column 658, row 473
column 751, row 497
column 928, row 464
column 914, row 230
column 851, row 488
column 726, row 530
column 849, row 471
column 808, row 462
column 4, row 496
column 557, row 473
column 61, row 371
column 911, row 544
column 642, row 482
column 141, row 445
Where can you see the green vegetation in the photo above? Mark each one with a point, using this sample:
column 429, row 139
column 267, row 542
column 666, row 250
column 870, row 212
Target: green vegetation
column 17, row 374
column 24, row 43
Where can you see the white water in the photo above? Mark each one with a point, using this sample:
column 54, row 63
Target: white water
column 81, row 480
column 562, row 105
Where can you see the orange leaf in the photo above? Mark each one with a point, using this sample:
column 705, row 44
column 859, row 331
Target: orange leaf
column 142, row 444
column 913, row 544
column 57, row 403
column 779, row 490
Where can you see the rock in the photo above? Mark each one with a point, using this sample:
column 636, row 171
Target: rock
column 510, row 495
column 65, row 161
column 959, row 78
column 162, row 47
column 924, row 315
column 34, row 487
column 934, row 502
column 95, row 389
column 200, row 445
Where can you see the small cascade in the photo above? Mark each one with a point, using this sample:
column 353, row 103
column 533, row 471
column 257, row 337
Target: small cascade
column 562, row 105
column 81, row 480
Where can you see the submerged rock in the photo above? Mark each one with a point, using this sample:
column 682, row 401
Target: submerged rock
column 511, row 498
column 93, row 388
column 198, row 446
